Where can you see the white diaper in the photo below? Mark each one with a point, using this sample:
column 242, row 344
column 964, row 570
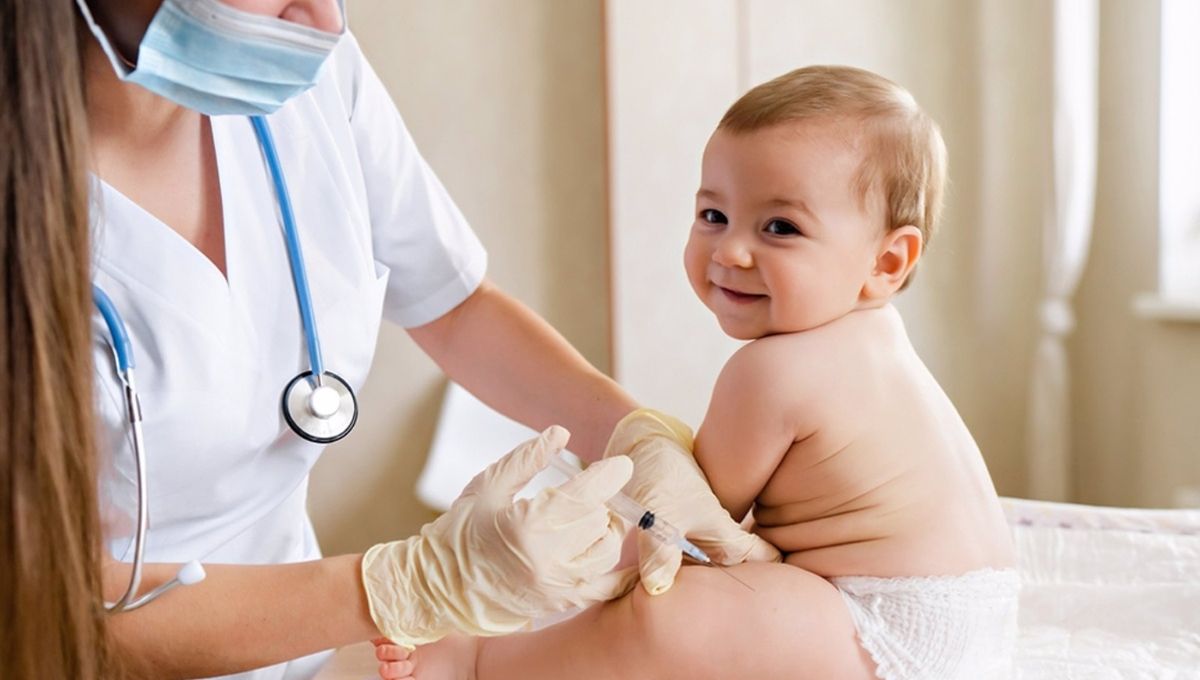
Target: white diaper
column 936, row 627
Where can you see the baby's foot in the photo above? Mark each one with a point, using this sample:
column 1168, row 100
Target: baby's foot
column 451, row 658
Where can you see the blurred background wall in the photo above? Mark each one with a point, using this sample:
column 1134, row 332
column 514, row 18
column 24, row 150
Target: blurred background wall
column 570, row 134
column 505, row 99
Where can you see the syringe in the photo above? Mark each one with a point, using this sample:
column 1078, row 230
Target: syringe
column 645, row 520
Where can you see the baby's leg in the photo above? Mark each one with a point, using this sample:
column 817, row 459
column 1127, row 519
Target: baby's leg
column 793, row 626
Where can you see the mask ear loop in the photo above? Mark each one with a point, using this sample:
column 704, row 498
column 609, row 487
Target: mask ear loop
column 120, row 62
column 131, row 65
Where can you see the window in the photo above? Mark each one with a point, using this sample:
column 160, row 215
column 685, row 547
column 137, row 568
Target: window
column 1179, row 153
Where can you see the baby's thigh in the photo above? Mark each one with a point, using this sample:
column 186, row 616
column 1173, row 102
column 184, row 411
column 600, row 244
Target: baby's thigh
column 793, row 625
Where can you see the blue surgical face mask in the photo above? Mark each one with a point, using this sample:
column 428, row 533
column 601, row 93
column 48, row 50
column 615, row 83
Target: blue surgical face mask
column 218, row 60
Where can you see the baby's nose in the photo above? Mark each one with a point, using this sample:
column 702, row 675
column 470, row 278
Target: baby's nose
column 733, row 251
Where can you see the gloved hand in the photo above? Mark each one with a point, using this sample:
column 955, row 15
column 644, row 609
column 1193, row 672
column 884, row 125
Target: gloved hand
column 490, row 565
column 667, row 481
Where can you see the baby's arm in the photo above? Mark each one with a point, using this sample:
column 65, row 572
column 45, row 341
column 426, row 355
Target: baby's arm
column 760, row 406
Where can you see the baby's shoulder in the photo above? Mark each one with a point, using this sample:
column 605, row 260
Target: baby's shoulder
column 830, row 364
column 779, row 366
column 772, row 354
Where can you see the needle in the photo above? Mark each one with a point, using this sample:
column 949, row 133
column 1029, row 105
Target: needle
column 730, row 575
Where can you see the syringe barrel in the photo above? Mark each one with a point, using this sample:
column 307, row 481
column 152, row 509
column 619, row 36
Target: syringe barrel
column 641, row 518
column 664, row 532
column 661, row 531
column 627, row 508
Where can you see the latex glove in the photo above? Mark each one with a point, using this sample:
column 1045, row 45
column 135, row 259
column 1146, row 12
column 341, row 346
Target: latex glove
column 667, row 481
column 490, row 565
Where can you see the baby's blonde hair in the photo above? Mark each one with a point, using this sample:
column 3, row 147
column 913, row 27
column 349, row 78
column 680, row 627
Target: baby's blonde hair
column 905, row 157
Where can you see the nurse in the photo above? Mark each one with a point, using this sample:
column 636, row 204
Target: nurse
column 188, row 247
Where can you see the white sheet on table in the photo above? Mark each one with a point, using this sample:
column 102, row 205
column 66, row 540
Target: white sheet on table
column 1107, row 594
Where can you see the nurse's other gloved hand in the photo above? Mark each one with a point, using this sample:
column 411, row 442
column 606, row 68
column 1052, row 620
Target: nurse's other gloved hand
column 491, row 565
column 667, row 481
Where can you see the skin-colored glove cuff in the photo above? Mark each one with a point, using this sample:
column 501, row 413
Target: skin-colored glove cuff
column 399, row 607
column 644, row 423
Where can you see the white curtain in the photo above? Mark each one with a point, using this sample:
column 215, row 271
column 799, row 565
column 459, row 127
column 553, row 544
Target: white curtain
column 1067, row 233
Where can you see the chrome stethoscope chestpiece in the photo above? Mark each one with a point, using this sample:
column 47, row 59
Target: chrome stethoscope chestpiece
column 322, row 410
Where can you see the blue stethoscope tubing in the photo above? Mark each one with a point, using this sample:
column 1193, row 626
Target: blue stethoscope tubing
column 295, row 253
column 317, row 404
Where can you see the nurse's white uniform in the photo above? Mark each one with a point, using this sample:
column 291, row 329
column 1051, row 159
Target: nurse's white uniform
column 227, row 477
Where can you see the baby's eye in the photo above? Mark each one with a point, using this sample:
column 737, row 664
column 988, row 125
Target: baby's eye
column 781, row 228
column 713, row 216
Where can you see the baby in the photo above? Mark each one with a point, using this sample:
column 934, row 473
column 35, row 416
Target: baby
column 819, row 192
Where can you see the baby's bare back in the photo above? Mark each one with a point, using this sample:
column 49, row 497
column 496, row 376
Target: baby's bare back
column 890, row 483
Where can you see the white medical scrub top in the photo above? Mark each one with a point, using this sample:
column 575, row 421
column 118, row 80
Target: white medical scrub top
column 381, row 237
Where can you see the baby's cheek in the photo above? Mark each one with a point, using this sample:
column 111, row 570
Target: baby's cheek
column 695, row 264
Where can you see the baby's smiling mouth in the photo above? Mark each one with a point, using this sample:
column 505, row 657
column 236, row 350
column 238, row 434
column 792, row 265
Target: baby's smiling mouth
column 738, row 296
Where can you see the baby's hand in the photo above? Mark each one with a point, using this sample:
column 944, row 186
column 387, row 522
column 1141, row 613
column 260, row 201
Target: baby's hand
column 394, row 663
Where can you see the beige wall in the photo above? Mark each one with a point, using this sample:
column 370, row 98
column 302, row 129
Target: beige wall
column 505, row 100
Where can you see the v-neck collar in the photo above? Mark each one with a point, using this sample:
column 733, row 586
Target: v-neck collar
column 153, row 245
column 135, row 245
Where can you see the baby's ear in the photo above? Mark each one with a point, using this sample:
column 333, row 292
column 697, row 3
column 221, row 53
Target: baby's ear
column 898, row 253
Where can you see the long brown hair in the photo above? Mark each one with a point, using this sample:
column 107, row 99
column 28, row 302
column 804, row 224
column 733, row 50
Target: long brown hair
column 52, row 620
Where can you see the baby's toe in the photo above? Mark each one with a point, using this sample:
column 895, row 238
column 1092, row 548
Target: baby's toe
column 390, row 652
column 396, row 670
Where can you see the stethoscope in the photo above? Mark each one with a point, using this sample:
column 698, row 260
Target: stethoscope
column 317, row 404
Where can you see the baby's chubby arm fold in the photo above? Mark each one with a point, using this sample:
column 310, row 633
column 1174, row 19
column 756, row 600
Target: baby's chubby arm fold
column 762, row 404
